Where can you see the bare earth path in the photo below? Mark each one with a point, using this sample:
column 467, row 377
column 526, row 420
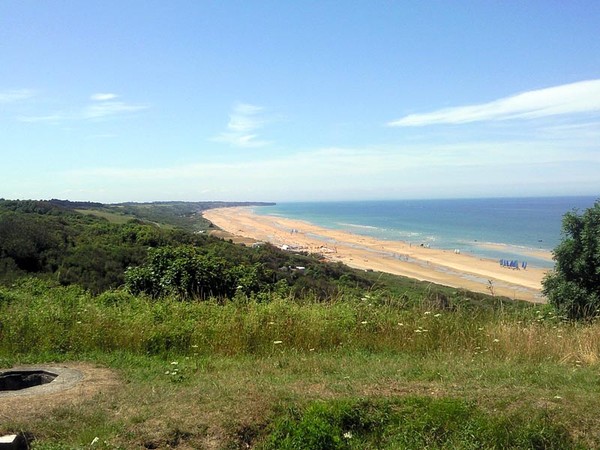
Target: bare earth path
column 396, row 257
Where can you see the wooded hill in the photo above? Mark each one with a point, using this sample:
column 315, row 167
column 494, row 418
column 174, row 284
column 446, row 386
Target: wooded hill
column 94, row 245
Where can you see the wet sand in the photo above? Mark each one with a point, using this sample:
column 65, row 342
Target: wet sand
column 400, row 258
column 532, row 252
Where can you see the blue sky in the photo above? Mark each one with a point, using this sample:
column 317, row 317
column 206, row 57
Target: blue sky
column 280, row 101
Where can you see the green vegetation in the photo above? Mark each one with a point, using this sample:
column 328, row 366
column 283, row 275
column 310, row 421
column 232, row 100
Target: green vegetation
column 410, row 423
column 574, row 286
column 215, row 345
column 53, row 242
column 248, row 371
column 112, row 217
column 182, row 215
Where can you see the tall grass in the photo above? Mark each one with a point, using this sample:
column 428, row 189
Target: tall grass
column 358, row 371
column 71, row 321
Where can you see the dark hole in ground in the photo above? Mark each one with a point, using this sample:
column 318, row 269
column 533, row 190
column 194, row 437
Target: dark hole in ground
column 23, row 379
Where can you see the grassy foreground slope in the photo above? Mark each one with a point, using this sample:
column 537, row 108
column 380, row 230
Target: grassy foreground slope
column 356, row 372
column 324, row 357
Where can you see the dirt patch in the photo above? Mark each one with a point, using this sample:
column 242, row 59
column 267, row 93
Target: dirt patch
column 80, row 382
column 232, row 237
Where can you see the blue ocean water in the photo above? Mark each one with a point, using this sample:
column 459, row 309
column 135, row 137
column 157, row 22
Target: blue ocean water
column 509, row 228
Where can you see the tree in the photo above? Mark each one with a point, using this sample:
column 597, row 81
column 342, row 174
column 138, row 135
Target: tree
column 574, row 285
column 190, row 274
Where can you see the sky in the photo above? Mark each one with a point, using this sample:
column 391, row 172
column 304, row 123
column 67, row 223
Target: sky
column 128, row 100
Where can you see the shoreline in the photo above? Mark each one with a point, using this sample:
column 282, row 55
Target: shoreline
column 396, row 257
column 545, row 255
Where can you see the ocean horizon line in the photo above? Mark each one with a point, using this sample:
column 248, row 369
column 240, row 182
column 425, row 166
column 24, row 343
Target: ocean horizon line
column 415, row 199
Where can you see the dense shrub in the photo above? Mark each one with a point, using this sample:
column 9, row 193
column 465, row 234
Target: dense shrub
column 574, row 286
column 189, row 273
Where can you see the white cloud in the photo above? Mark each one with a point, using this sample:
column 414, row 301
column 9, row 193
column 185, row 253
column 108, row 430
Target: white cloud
column 101, row 105
column 482, row 168
column 107, row 108
column 328, row 167
column 245, row 118
column 583, row 133
column 241, row 140
column 244, row 121
column 15, row 95
column 580, row 97
column 101, row 97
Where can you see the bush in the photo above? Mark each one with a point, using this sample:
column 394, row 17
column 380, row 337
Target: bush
column 574, row 286
column 188, row 273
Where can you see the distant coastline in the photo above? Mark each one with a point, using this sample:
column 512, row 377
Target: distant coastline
column 502, row 228
column 420, row 262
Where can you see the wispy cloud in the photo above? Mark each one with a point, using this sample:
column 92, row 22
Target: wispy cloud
column 244, row 122
column 99, row 106
column 15, row 95
column 106, row 109
column 106, row 105
column 398, row 172
column 103, row 96
column 345, row 164
column 580, row 97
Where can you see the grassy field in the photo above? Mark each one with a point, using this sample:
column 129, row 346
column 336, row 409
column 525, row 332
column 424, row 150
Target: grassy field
column 110, row 216
column 355, row 372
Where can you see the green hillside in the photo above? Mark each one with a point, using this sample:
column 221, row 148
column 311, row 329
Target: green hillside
column 214, row 345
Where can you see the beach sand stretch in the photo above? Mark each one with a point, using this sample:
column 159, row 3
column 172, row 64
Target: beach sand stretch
column 438, row 266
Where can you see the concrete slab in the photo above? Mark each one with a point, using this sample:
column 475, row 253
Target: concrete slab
column 65, row 379
column 13, row 442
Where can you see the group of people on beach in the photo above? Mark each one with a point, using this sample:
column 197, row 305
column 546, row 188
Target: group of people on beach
column 513, row 264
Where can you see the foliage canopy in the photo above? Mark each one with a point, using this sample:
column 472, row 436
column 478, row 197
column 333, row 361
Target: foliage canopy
column 574, row 286
column 64, row 242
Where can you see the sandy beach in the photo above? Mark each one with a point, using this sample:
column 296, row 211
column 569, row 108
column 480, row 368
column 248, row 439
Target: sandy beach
column 362, row 252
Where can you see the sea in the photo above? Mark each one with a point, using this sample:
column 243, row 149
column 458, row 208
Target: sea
column 496, row 228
